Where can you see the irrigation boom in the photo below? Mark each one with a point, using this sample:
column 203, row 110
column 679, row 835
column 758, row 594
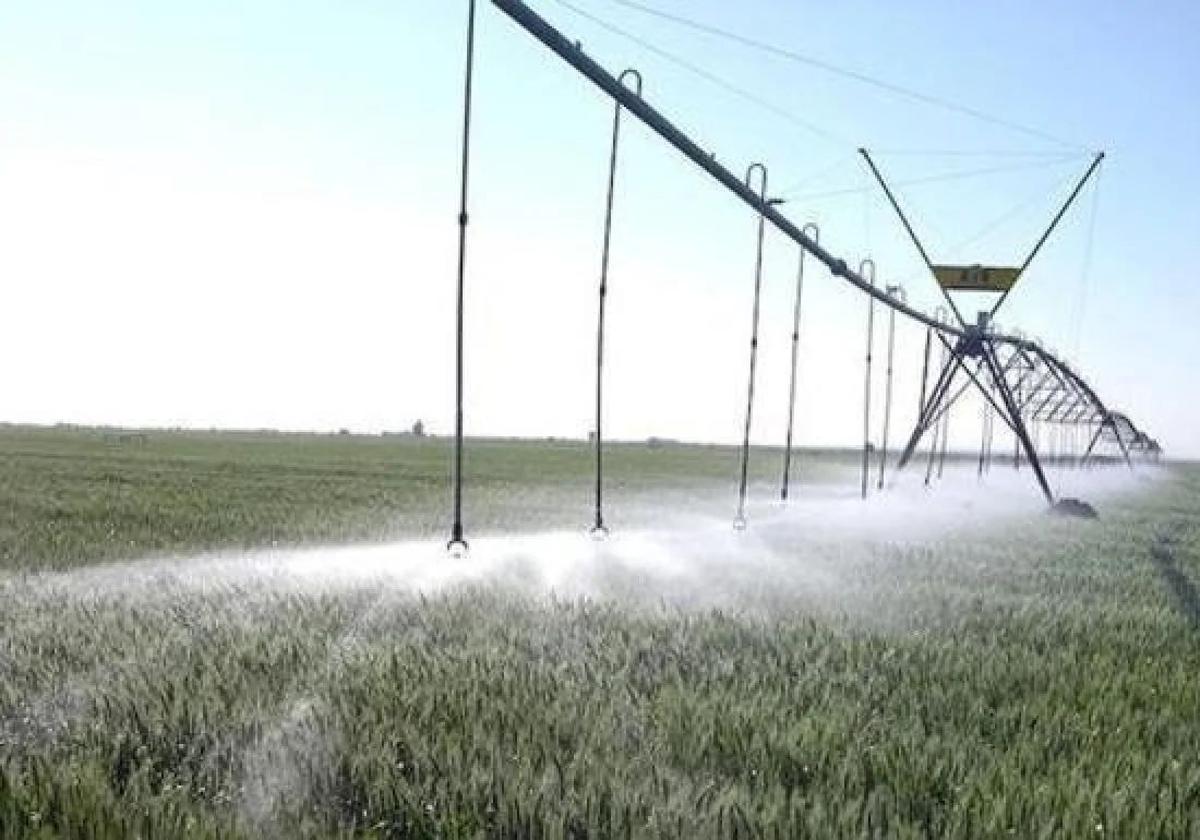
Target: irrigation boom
column 574, row 55
column 962, row 342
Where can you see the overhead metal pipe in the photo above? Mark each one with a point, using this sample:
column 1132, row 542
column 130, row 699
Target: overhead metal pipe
column 572, row 53
column 599, row 529
column 739, row 520
column 812, row 230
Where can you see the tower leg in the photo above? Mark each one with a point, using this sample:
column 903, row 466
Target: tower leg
column 1014, row 418
column 929, row 409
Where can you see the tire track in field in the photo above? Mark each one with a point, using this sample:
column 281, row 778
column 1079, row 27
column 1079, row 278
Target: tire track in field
column 1182, row 589
column 273, row 766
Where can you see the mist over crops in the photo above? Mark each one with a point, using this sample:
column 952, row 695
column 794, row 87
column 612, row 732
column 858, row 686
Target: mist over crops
column 801, row 549
column 943, row 661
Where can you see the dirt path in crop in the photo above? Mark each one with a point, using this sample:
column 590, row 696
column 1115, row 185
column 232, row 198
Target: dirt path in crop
column 1182, row 589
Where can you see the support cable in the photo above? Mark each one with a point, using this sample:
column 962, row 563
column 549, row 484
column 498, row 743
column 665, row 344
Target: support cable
column 819, row 174
column 992, row 225
column 709, row 76
column 1084, row 280
column 911, row 233
column 941, row 177
column 997, row 153
column 573, row 55
column 863, row 78
column 1062, row 211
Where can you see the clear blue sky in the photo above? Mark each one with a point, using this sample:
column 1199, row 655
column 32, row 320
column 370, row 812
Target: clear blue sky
column 231, row 213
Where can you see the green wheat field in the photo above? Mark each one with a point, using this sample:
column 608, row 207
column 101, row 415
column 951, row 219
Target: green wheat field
column 1001, row 673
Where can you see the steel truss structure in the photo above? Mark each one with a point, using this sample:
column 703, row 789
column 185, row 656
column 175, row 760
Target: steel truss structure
column 1026, row 386
column 1012, row 375
column 1022, row 382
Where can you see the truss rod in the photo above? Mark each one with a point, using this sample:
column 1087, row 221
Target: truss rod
column 911, row 233
column 1018, row 426
column 1062, row 211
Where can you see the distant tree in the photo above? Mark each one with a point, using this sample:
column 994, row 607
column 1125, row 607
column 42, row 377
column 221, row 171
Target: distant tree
column 343, row 431
column 418, row 428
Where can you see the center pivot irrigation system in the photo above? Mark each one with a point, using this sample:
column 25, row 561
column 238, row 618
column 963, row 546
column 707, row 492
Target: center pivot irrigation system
column 1028, row 387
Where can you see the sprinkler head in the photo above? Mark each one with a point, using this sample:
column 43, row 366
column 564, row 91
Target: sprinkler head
column 739, row 523
column 598, row 533
column 458, row 548
column 1074, row 508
